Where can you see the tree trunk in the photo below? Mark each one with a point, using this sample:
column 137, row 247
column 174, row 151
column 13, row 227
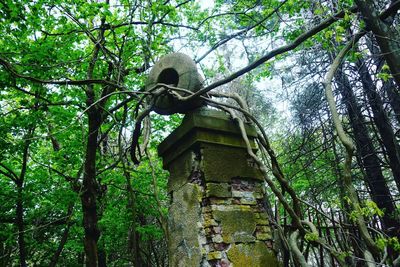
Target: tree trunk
column 394, row 98
column 89, row 191
column 102, row 257
column 64, row 237
column 19, row 218
column 389, row 86
column 134, row 236
column 380, row 192
column 381, row 121
column 386, row 39
column 20, row 225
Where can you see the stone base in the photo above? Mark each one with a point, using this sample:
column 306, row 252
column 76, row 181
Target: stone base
column 217, row 215
column 218, row 220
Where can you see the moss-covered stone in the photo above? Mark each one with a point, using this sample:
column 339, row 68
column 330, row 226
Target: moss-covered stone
column 237, row 226
column 246, row 194
column 261, row 221
column 203, row 127
column 180, row 170
column 207, row 159
column 218, row 190
column 245, row 208
column 222, row 163
column 210, row 222
column 184, row 212
column 214, row 255
column 217, row 239
column 263, row 236
column 264, row 229
column 219, row 201
column 233, row 207
column 248, row 201
column 253, row 254
column 258, row 195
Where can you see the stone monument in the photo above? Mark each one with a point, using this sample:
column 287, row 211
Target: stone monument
column 217, row 215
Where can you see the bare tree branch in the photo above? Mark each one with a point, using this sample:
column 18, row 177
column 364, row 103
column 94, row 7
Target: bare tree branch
column 348, row 144
column 221, row 42
column 13, row 72
column 299, row 40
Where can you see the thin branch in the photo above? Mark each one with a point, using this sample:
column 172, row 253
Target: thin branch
column 13, row 72
column 155, row 188
column 11, row 174
column 299, row 40
column 221, row 42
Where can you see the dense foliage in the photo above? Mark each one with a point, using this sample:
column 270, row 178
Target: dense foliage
column 77, row 188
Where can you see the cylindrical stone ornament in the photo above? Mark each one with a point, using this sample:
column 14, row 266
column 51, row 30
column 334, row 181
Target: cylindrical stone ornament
column 176, row 70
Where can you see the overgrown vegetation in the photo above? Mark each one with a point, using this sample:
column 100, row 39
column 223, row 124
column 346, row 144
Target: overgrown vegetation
column 79, row 175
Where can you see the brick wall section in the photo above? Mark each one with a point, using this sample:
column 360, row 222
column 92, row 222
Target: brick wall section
column 234, row 214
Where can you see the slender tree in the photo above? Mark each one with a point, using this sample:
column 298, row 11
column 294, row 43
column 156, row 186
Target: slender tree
column 380, row 192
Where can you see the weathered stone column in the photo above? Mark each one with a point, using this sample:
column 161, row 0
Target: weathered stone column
column 217, row 215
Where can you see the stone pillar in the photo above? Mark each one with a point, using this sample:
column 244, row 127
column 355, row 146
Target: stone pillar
column 217, row 215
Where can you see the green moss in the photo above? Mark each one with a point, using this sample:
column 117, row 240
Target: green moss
column 253, row 254
column 184, row 213
column 214, row 255
column 263, row 236
column 237, row 226
column 218, row 190
column 222, row 163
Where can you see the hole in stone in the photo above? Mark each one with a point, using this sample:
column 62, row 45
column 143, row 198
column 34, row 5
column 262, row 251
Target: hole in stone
column 169, row 76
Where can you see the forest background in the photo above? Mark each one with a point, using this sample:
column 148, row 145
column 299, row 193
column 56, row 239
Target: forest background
column 80, row 179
